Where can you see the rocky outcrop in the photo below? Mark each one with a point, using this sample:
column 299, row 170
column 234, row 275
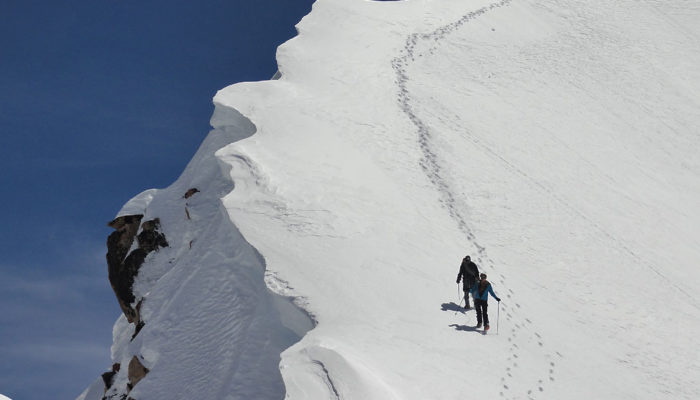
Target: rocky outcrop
column 118, row 245
column 123, row 266
column 136, row 372
column 123, row 263
column 108, row 377
column 149, row 238
column 189, row 193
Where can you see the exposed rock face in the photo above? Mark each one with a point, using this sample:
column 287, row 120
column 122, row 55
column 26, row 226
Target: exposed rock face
column 149, row 238
column 124, row 266
column 190, row 193
column 108, row 377
column 118, row 245
column 136, row 372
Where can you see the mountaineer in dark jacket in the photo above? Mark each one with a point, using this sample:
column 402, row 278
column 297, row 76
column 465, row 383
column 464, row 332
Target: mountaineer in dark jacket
column 468, row 273
column 481, row 292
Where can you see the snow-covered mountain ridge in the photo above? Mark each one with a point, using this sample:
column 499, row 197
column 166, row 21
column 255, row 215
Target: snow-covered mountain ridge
column 554, row 142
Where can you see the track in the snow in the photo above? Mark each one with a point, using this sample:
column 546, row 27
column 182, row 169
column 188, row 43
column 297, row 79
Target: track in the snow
column 430, row 164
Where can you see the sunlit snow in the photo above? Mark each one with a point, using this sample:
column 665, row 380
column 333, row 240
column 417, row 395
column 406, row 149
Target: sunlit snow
column 555, row 142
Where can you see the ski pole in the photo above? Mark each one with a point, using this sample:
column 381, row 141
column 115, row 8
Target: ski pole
column 498, row 317
column 460, row 301
column 459, row 295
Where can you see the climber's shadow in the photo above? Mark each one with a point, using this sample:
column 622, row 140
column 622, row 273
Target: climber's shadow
column 453, row 307
column 465, row 328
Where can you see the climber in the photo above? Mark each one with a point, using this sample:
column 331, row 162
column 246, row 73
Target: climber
column 468, row 273
column 480, row 292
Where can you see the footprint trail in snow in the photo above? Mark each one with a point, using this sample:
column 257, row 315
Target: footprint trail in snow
column 525, row 344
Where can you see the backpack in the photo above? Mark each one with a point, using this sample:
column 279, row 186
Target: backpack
column 471, row 269
column 483, row 285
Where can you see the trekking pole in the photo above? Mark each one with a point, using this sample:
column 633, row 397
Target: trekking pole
column 459, row 295
column 498, row 317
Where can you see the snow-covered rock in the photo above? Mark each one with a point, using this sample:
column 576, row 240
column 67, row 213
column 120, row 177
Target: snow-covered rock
column 555, row 142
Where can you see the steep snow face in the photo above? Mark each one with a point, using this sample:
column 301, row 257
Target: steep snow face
column 212, row 328
column 553, row 141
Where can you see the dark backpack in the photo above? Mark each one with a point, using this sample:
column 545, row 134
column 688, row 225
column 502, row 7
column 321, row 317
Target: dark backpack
column 483, row 285
column 472, row 271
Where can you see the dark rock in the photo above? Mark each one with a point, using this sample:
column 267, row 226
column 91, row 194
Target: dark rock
column 190, row 193
column 108, row 377
column 119, row 222
column 140, row 324
column 114, row 396
column 149, row 238
column 118, row 245
column 123, row 268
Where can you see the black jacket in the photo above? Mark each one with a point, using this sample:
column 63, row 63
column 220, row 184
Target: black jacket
column 469, row 272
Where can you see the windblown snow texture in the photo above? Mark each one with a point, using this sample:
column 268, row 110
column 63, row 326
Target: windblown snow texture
column 212, row 329
column 553, row 141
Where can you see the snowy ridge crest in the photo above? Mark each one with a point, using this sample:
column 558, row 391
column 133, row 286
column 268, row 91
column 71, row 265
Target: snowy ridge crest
column 501, row 129
column 208, row 314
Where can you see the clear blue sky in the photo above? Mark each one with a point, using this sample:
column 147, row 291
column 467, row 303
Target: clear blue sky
column 100, row 100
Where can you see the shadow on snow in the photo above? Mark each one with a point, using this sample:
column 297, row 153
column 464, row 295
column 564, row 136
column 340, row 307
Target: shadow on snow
column 458, row 309
column 453, row 307
column 465, row 328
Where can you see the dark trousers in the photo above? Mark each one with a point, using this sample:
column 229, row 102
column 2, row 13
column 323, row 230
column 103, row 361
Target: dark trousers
column 466, row 293
column 481, row 311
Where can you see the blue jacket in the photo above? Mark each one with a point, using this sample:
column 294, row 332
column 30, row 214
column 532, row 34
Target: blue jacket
column 485, row 295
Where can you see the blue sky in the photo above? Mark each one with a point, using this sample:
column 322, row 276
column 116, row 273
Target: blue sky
column 100, row 100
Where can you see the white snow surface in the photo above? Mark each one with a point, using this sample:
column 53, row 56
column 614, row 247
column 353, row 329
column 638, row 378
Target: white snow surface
column 555, row 142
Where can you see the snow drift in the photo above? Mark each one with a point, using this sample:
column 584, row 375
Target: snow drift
column 555, row 142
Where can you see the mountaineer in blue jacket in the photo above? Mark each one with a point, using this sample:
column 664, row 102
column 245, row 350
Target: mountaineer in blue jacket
column 481, row 292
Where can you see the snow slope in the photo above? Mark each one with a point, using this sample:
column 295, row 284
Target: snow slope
column 553, row 141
